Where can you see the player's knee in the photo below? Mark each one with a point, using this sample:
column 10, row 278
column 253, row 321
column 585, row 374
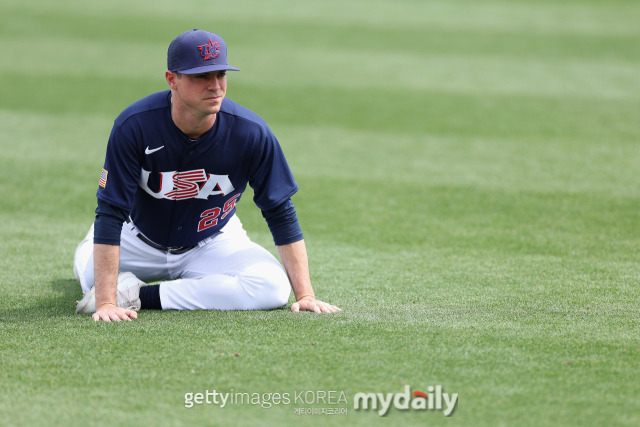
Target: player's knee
column 277, row 298
column 274, row 288
column 281, row 286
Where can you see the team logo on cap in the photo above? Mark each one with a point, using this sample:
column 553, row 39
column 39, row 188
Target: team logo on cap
column 210, row 50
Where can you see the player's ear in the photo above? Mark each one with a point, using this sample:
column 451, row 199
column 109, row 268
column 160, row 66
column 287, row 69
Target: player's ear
column 171, row 78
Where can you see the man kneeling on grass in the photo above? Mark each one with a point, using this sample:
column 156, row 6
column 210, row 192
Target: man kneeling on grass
column 176, row 165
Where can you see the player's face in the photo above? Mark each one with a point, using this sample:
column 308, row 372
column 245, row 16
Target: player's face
column 201, row 94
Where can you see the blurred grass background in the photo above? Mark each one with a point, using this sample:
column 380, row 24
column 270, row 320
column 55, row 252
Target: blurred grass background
column 467, row 197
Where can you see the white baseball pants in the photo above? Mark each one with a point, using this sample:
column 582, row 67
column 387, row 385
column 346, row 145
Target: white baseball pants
column 225, row 272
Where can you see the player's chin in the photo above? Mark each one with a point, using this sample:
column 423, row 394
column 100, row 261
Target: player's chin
column 212, row 107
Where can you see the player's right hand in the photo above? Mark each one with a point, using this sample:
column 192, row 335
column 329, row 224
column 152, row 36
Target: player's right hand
column 315, row 305
column 109, row 312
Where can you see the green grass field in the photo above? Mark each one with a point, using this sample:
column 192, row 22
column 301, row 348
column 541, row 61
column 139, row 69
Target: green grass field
column 468, row 197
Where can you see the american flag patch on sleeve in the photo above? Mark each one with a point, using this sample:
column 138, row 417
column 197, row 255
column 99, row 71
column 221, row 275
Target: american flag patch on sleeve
column 103, row 178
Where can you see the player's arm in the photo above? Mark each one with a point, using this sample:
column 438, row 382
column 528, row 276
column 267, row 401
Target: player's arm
column 287, row 235
column 106, row 263
column 295, row 260
column 115, row 194
column 106, row 260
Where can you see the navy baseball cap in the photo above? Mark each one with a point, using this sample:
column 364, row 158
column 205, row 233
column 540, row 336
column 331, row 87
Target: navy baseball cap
column 196, row 52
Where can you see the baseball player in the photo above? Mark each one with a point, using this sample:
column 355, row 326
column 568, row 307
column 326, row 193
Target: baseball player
column 176, row 166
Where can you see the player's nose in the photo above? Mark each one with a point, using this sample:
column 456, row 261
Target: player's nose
column 214, row 83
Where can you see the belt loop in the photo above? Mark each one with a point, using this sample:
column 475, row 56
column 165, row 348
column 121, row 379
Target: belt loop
column 131, row 225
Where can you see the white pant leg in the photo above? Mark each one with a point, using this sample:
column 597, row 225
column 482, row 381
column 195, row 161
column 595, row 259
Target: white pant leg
column 147, row 263
column 83, row 262
column 228, row 273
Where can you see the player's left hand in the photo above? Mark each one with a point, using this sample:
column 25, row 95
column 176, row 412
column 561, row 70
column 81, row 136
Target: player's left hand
column 315, row 305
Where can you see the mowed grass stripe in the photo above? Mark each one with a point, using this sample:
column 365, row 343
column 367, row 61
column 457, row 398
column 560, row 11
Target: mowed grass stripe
column 542, row 165
column 422, row 71
column 93, row 35
column 479, row 72
column 468, row 219
column 443, row 113
column 569, row 17
column 381, row 109
column 581, row 293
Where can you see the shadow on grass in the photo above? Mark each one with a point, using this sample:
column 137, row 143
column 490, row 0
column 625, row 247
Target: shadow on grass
column 69, row 287
column 57, row 304
column 60, row 303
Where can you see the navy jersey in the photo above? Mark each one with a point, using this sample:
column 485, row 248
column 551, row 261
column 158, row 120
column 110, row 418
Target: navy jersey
column 180, row 191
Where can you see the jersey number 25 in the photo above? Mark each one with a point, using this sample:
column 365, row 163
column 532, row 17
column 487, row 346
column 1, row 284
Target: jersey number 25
column 210, row 216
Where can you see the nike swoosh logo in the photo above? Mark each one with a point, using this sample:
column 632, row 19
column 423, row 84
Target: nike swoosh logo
column 148, row 151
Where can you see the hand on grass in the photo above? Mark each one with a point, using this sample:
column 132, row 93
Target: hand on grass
column 312, row 304
column 109, row 312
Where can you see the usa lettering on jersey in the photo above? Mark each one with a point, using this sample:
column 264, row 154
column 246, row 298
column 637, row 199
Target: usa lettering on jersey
column 194, row 184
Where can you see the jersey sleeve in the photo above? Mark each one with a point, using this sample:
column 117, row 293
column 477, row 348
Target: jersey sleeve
column 108, row 224
column 283, row 224
column 271, row 177
column 121, row 172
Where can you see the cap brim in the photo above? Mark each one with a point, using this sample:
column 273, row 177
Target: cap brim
column 208, row 69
